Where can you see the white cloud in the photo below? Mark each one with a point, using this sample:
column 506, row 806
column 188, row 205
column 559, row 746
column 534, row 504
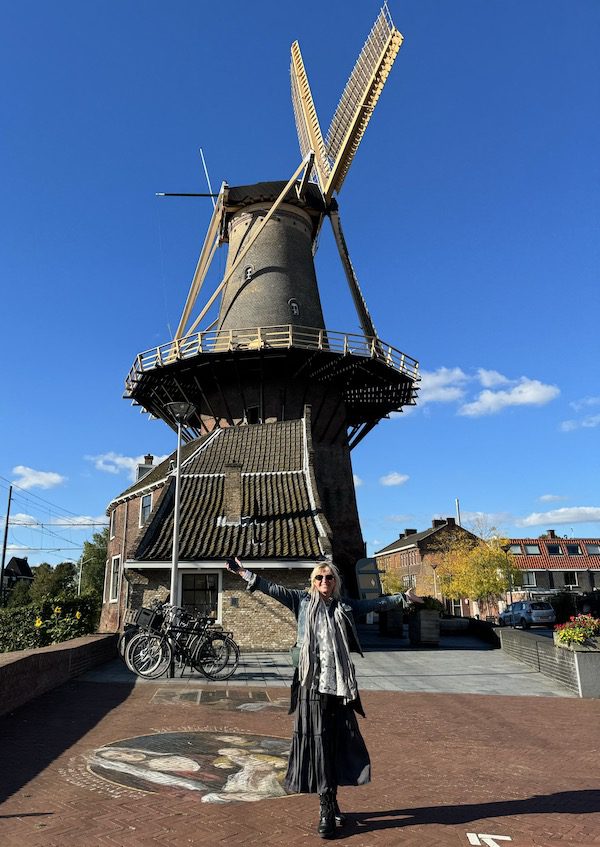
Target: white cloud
column 551, row 498
column 399, row 518
column 584, row 403
column 116, row 463
column 442, row 386
column 30, row 478
column 566, row 515
column 489, row 379
column 74, row 521
column 588, row 422
column 394, row 478
column 357, row 480
column 527, row 392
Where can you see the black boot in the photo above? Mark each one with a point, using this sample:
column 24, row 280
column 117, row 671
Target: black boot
column 326, row 827
column 340, row 819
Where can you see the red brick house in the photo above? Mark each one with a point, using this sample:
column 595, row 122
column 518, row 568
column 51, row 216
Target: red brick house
column 552, row 563
column 414, row 556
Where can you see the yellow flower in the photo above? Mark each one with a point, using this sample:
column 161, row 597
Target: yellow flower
column 57, row 610
column 78, row 614
column 38, row 623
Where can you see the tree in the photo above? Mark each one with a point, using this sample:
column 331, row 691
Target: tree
column 479, row 569
column 53, row 582
column 93, row 564
column 20, row 593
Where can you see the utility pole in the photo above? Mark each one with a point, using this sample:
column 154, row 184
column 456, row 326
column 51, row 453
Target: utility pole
column 4, row 547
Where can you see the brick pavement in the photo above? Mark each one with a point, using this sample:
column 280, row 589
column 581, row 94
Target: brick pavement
column 445, row 766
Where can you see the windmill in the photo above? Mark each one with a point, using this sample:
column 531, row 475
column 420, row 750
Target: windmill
column 268, row 357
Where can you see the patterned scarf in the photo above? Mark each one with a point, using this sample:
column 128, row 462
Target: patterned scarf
column 346, row 686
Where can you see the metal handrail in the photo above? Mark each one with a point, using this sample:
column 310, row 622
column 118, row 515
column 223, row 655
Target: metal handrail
column 261, row 338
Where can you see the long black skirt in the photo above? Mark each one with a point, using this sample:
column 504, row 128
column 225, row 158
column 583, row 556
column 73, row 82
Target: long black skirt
column 327, row 747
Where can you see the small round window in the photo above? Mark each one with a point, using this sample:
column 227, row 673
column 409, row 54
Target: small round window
column 294, row 307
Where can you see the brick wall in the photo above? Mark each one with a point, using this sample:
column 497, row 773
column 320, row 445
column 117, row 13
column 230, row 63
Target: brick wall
column 26, row 674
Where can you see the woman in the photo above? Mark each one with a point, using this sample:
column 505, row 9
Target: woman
column 327, row 748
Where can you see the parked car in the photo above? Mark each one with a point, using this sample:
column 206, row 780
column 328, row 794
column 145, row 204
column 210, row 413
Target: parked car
column 528, row 613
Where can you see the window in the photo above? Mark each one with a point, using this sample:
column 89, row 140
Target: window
column 409, row 581
column 113, row 516
column 200, row 593
column 515, row 549
column 252, row 416
column 294, row 307
column 529, row 578
column 114, row 579
column 593, row 549
column 554, row 549
column 145, row 508
column 573, row 550
column 532, row 549
column 570, row 578
column 248, row 273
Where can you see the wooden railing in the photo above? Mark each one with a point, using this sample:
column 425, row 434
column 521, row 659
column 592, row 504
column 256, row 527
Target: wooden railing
column 262, row 338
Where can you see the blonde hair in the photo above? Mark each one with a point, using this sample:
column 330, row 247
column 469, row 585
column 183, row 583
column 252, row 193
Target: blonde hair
column 337, row 587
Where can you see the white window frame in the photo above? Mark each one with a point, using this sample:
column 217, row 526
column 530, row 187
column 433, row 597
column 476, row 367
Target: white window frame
column 142, row 498
column 113, row 595
column 515, row 552
column 113, row 520
column 532, row 552
column 531, row 575
column 578, row 552
column 574, row 575
column 595, row 552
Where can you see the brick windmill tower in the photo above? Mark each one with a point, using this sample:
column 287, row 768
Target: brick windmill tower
column 277, row 399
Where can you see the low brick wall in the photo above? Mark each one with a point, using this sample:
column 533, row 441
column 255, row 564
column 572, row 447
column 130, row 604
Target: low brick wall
column 540, row 653
column 26, row 674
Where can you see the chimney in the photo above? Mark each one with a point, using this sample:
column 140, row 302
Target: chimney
column 450, row 522
column 144, row 469
column 232, row 498
column 410, row 532
column 551, row 533
column 436, row 522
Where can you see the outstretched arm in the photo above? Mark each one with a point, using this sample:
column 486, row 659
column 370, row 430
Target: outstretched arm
column 380, row 604
column 289, row 597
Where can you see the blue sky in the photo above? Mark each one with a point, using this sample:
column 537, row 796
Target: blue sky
column 471, row 212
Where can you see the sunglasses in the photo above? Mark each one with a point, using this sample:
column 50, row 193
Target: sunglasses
column 328, row 577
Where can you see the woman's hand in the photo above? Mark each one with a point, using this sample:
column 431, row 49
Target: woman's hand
column 412, row 597
column 234, row 565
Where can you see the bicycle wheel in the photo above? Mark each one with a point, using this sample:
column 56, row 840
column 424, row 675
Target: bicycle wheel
column 125, row 637
column 218, row 657
column 148, row 654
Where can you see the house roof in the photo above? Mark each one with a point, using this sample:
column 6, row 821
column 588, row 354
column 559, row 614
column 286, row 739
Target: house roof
column 280, row 512
column 411, row 539
column 563, row 562
column 19, row 568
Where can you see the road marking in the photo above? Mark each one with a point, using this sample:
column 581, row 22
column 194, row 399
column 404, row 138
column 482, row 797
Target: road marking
column 487, row 840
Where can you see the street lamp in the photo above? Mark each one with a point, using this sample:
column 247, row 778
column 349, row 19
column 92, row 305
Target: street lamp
column 181, row 412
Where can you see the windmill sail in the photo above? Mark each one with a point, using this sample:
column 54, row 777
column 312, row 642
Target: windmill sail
column 359, row 98
column 307, row 122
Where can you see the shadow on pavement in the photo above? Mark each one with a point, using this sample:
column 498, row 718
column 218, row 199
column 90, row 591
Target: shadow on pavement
column 582, row 802
column 38, row 732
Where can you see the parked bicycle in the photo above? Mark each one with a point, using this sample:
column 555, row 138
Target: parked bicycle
column 186, row 641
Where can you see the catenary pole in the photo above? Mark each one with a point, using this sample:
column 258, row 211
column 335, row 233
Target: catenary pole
column 4, row 547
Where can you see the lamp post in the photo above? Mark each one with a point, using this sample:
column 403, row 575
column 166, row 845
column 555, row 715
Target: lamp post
column 181, row 413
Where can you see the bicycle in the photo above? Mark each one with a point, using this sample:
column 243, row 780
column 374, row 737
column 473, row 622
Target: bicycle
column 187, row 641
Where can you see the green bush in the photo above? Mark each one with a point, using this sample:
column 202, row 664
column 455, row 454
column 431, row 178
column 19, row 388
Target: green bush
column 48, row 622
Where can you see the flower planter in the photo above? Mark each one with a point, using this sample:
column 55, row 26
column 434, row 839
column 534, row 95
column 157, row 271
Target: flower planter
column 590, row 645
column 424, row 627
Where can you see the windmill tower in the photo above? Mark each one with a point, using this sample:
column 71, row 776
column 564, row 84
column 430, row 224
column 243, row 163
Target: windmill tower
column 268, row 357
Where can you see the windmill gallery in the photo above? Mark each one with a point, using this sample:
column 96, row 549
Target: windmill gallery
column 268, row 402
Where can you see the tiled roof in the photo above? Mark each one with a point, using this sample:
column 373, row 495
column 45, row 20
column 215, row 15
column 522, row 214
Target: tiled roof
column 415, row 538
column 278, row 520
column 257, row 447
column 564, row 562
